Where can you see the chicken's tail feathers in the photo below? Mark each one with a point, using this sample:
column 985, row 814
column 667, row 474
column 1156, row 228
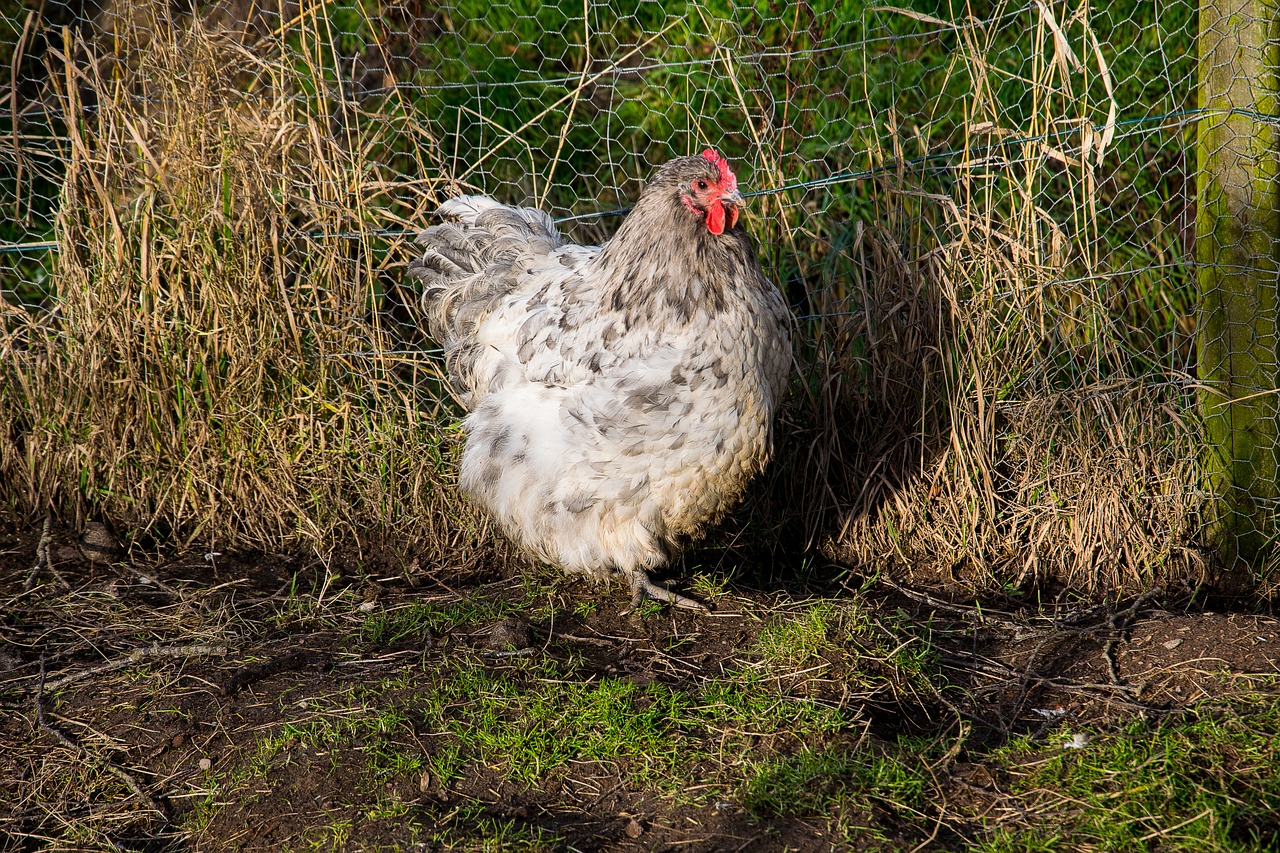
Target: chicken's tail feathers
column 480, row 235
column 471, row 260
column 498, row 220
column 465, row 208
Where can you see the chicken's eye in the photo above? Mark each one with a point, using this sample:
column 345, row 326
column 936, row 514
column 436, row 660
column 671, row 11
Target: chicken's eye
column 702, row 185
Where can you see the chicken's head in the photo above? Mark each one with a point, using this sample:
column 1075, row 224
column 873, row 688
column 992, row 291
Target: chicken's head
column 712, row 193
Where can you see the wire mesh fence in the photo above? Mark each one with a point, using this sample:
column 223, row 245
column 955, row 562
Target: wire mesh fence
column 983, row 216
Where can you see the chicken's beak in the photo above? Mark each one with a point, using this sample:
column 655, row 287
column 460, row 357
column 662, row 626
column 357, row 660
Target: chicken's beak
column 732, row 200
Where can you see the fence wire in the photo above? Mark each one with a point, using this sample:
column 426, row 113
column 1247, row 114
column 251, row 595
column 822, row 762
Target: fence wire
column 983, row 216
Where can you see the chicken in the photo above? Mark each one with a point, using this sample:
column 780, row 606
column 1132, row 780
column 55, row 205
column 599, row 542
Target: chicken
column 620, row 397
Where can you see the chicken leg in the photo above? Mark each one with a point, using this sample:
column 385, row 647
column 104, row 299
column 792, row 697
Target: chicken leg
column 643, row 588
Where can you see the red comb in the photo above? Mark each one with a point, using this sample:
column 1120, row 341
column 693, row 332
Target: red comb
column 728, row 181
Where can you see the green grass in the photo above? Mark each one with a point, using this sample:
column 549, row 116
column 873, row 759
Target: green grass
column 474, row 828
column 846, row 788
column 1200, row 780
column 793, row 641
column 764, row 734
column 420, row 621
column 831, row 718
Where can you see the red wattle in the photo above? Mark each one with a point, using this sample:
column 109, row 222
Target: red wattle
column 715, row 218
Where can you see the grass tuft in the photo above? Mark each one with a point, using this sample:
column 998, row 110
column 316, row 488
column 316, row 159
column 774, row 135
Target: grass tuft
column 212, row 371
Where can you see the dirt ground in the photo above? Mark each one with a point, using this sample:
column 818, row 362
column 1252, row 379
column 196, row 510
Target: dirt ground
column 137, row 696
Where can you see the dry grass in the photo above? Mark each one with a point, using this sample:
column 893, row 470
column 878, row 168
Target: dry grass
column 206, row 369
column 209, row 370
column 991, row 415
column 971, row 457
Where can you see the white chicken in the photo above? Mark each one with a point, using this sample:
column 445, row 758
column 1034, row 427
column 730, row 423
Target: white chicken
column 620, row 397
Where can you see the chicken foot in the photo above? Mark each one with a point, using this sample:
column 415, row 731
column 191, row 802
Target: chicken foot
column 643, row 588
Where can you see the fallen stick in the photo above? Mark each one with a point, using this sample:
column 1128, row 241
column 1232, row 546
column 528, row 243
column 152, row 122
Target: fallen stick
column 155, row 650
column 42, row 559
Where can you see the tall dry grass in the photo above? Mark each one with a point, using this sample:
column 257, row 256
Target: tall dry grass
column 970, row 406
column 1009, row 425
column 206, row 370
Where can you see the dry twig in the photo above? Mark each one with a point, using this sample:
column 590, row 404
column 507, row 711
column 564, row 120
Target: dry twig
column 42, row 559
column 155, row 650
column 1119, row 622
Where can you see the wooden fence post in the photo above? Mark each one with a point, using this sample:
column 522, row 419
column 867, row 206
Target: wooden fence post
column 1238, row 261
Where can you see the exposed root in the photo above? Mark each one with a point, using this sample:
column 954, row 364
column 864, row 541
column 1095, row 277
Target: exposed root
column 43, row 561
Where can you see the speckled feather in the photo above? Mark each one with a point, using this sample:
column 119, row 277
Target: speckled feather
column 620, row 397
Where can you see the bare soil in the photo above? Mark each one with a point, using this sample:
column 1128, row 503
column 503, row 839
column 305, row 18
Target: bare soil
column 162, row 672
